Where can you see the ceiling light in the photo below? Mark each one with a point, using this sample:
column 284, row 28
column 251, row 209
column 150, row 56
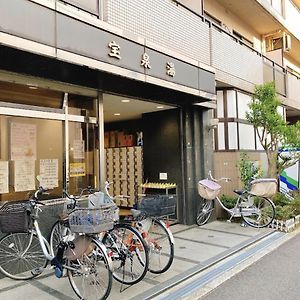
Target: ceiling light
column 33, row 87
column 125, row 100
column 117, row 114
column 159, row 106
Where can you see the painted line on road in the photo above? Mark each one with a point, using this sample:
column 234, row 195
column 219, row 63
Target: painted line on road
column 204, row 243
column 203, row 280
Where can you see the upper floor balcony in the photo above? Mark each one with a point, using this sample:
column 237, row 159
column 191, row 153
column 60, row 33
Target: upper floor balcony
column 172, row 26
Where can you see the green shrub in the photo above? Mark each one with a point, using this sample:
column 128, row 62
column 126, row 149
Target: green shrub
column 285, row 212
column 228, row 201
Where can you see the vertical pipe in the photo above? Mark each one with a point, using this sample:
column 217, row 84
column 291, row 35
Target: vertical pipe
column 66, row 135
column 101, row 141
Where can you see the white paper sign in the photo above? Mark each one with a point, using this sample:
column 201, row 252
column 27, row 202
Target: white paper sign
column 49, row 173
column 23, row 141
column 4, row 177
column 78, row 149
column 24, row 175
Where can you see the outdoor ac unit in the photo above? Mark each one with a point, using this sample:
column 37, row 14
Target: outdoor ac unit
column 287, row 42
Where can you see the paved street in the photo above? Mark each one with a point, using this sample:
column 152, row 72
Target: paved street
column 275, row 276
column 196, row 249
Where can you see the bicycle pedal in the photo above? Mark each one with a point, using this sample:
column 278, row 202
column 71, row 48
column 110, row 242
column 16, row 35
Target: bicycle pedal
column 37, row 271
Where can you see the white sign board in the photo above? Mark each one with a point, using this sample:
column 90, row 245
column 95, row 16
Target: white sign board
column 49, row 173
column 24, row 175
column 23, row 141
column 4, row 177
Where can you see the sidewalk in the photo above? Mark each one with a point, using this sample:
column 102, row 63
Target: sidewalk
column 196, row 249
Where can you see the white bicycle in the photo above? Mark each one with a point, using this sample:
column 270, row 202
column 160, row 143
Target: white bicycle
column 253, row 205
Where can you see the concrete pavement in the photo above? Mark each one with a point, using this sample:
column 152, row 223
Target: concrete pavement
column 197, row 250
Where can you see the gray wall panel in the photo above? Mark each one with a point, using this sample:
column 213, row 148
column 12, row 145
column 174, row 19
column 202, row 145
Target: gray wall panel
column 185, row 74
column 88, row 5
column 84, row 39
column 207, row 81
column 28, row 20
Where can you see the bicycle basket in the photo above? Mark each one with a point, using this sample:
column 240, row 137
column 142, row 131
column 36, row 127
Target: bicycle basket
column 93, row 220
column 264, row 187
column 158, row 205
column 14, row 217
column 208, row 189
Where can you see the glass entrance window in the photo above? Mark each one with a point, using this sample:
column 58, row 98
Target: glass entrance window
column 30, row 147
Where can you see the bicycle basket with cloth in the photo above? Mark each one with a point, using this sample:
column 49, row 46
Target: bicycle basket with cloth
column 264, row 187
column 14, row 217
column 208, row 189
column 92, row 220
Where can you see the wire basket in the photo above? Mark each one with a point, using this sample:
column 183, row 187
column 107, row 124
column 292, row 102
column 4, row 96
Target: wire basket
column 208, row 189
column 158, row 205
column 264, row 187
column 14, row 217
column 93, row 220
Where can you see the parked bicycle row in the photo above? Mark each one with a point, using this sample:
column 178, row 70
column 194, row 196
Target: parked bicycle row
column 90, row 244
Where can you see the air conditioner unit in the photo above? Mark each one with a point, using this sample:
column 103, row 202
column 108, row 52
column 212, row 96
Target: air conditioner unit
column 287, row 42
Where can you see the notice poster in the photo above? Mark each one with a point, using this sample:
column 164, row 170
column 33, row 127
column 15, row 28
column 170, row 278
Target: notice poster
column 4, row 177
column 49, row 173
column 77, row 169
column 24, row 175
column 22, row 141
column 78, row 149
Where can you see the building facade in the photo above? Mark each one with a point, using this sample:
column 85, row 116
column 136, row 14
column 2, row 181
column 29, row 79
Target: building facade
column 130, row 91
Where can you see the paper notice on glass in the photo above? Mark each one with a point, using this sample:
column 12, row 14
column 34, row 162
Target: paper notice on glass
column 78, row 149
column 4, row 177
column 77, row 169
column 23, row 141
column 24, row 175
column 49, row 173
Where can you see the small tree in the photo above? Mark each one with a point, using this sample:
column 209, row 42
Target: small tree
column 272, row 130
column 248, row 170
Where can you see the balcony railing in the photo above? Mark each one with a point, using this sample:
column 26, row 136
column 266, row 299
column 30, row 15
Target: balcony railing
column 293, row 87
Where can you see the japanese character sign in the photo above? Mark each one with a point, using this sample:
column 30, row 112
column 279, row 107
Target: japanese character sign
column 114, row 50
column 170, row 69
column 145, row 61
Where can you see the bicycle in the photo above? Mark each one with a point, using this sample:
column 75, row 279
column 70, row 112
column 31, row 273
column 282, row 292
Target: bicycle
column 127, row 249
column 154, row 230
column 253, row 205
column 24, row 252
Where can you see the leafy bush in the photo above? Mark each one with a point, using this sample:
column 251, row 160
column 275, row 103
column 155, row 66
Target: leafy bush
column 248, row 170
column 228, row 201
column 285, row 212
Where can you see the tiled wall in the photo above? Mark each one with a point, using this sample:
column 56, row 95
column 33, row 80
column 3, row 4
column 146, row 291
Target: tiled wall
column 164, row 23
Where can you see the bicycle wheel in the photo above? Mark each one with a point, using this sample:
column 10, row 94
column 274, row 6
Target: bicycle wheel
column 130, row 257
column 90, row 274
column 59, row 231
column 161, row 247
column 204, row 211
column 21, row 256
column 257, row 211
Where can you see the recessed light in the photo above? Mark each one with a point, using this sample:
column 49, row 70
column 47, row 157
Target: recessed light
column 125, row 100
column 159, row 106
column 117, row 114
column 32, row 87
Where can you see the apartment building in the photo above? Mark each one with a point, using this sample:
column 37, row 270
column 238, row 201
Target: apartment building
column 151, row 91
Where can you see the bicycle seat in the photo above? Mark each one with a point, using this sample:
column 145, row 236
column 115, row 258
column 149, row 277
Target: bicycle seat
column 239, row 192
column 135, row 212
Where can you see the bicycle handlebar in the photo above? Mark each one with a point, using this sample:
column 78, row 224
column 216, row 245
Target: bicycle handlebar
column 226, row 179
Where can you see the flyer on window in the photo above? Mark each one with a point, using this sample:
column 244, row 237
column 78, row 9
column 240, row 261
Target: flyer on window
column 24, row 175
column 22, row 141
column 4, row 177
column 49, row 173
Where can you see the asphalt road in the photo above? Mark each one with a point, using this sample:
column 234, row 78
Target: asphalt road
column 276, row 276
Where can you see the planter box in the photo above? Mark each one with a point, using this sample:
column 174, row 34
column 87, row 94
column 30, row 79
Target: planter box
column 284, row 225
